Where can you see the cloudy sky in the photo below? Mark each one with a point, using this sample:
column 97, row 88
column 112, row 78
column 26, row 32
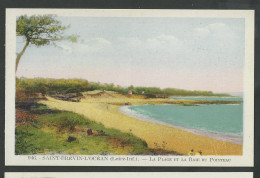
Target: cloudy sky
column 187, row 53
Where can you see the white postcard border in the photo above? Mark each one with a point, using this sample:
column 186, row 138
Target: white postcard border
column 129, row 174
column 80, row 160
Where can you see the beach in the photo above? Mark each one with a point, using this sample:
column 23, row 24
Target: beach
column 105, row 110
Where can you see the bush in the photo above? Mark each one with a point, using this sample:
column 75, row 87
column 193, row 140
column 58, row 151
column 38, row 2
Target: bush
column 68, row 123
column 64, row 120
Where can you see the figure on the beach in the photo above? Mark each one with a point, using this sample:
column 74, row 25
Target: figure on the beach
column 191, row 153
column 198, row 153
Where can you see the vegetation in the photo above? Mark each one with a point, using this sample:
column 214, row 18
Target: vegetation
column 53, row 133
column 39, row 31
column 40, row 130
column 52, row 86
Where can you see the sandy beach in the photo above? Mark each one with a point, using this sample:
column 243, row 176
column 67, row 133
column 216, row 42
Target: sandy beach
column 105, row 111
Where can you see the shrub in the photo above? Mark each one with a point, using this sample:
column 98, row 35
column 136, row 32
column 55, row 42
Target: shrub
column 64, row 120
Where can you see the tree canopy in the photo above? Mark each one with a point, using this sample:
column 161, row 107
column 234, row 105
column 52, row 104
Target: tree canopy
column 50, row 86
column 40, row 30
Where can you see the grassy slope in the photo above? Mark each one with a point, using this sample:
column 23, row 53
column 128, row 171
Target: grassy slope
column 49, row 133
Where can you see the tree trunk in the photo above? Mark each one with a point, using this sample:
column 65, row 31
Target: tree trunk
column 20, row 55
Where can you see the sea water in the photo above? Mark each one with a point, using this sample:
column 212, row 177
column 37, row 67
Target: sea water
column 209, row 98
column 221, row 121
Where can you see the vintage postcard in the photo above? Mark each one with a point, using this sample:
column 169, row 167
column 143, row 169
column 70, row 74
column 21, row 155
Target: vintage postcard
column 129, row 174
column 129, row 87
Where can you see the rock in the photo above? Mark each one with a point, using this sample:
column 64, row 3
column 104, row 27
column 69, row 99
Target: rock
column 89, row 132
column 71, row 139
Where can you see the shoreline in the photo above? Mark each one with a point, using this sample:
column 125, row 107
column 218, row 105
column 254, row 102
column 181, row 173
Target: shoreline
column 236, row 139
column 106, row 111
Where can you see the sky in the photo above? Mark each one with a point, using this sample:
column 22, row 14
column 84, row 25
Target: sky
column 186, row 53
